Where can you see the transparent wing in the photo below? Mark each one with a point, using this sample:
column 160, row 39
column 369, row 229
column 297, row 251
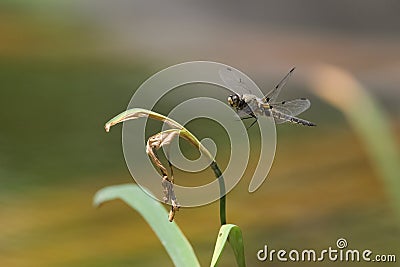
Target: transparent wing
column 292, row 107
column 280, row 120
column 293, row 119
column 273, row 95
column 232, row 80
column 245, row 112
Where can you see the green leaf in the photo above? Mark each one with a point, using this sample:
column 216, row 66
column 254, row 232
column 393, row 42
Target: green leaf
column 232, row 234
column 176, row 244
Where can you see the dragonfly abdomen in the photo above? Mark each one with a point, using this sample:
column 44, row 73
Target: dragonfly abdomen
column 302, row 122
column 281, row 117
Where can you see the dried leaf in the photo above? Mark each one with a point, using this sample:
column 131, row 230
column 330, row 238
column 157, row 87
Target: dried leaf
column 163, row 138
column 175, row 207
column 154, row 143
column 159, row 140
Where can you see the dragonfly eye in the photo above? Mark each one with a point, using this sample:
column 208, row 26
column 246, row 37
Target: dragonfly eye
column 232, row 100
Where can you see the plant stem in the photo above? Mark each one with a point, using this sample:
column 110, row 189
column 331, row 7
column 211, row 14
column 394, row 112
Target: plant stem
column 222, row 200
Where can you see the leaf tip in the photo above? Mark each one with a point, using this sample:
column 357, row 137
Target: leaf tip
column 107, row 127
column 96, row 201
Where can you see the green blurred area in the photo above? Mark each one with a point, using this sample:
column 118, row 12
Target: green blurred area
column 54, row 111
column 58, row 88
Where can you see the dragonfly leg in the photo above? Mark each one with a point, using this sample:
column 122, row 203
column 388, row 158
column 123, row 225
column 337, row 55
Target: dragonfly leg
column 252, row 123
column 247, row 118
column 252, row 115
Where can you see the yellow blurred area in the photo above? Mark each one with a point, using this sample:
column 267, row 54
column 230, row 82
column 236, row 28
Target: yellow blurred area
column 306, row 204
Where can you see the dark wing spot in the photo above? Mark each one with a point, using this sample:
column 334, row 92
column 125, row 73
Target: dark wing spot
column 283, row 102
column 303, row 98
column 267, row 99
column 271, row 107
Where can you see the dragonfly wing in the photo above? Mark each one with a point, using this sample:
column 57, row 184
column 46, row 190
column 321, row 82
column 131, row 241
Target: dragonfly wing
column 293, row 119
column 280, row 115
column 232, row 80
column 273, row 95
column 286, row 111
column 292, row 107
column 279, row 121
column 245, row 112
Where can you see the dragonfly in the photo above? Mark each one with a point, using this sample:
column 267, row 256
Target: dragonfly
column 249, row 106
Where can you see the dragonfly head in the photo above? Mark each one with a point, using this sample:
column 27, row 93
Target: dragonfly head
column 234, row 101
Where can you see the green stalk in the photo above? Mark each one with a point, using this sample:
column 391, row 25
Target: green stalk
column 222, row 199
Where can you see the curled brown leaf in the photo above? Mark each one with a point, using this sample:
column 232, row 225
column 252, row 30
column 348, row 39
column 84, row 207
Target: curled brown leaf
column 154, row 143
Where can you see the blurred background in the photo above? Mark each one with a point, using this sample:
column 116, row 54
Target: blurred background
column 67, row 67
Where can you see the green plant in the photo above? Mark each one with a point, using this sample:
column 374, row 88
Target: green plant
column 176, row 244
column 368, row 119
